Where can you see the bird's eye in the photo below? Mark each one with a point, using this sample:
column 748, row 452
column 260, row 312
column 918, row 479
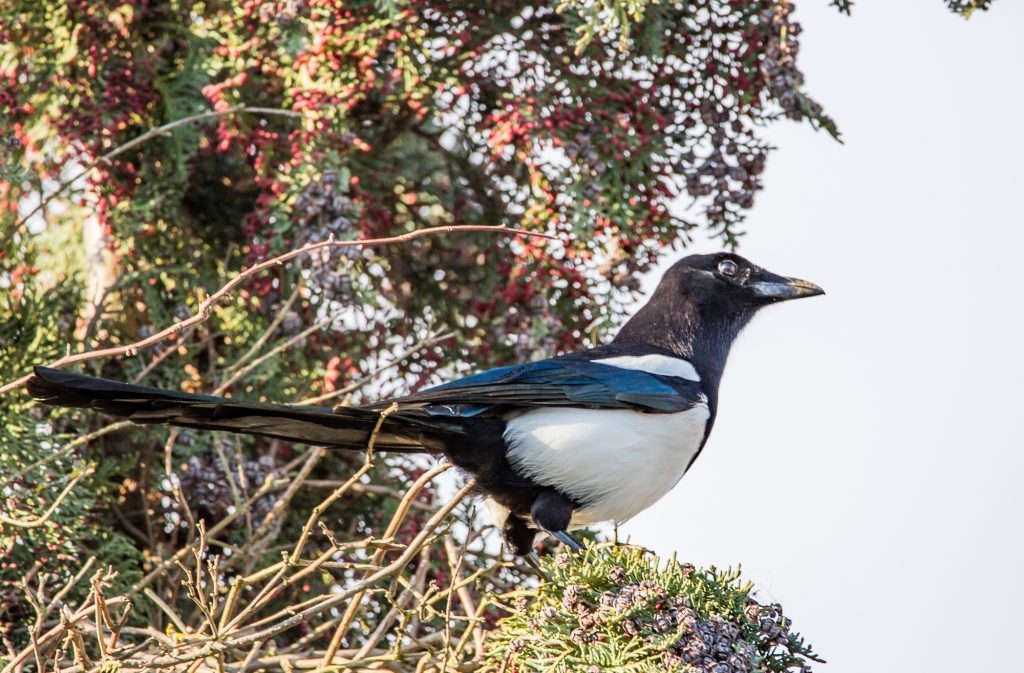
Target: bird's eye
column 727, row 267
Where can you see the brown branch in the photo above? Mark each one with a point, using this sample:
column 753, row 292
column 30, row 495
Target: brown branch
column 393, row 526
column 402, row 604
column 202, row 649
column 207, row 304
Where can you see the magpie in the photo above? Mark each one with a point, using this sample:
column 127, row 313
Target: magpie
column 590, row 436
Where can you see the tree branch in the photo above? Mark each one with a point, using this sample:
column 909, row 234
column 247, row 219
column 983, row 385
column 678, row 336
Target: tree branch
column 207, row 304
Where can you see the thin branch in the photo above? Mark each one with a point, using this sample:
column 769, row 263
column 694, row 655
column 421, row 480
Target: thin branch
column 206, row 306
column 396, row 521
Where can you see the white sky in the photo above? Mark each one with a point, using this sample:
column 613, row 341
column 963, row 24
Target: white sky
column 867, row 460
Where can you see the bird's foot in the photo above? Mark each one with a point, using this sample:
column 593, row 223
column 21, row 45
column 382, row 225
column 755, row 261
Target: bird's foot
column 533, row 561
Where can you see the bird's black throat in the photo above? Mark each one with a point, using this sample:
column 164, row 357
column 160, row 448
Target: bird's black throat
column 698, row 329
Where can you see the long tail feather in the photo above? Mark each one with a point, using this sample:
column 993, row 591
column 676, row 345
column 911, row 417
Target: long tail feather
column 345, row 427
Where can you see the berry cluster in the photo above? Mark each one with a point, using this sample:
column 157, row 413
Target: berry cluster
column 325, row 211
column 212, row 488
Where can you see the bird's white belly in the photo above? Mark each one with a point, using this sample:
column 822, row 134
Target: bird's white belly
column 615, row 461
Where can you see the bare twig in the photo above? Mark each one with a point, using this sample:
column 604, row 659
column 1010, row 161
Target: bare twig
column 206, row 306
column 166, row 609
column 205, row 648
column 396, row 520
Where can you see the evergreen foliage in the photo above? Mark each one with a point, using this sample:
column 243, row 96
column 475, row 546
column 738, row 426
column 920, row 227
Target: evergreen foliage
column 617, row 608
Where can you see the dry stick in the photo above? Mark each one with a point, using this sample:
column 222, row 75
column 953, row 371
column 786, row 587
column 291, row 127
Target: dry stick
column 338, row 546
column 181, row 553
column 375, row 489
column 97, row 590
column 315, row 515
column 207, row 304
column 313, row 456
column 399, row 516
column 35, row 600
column 59, row 630
column 115, row 631
column 77, row 642
column 290, row 610
column 193, row 583
column 210, row 648
column 138, row 140
column 319, row 509
column 60, row 595
column 171, row 614
column 474, row 628
column 278, row 582
column 401, row 604
column 465, row 598
column 274, row 586
column 455, row 568
column 235, row 488
column 38, row 655
column 253, row 651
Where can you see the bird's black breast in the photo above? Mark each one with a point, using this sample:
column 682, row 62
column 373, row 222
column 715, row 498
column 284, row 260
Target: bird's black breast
column 481, row 452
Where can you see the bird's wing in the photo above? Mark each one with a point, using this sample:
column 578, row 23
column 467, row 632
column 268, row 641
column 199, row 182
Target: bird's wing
column 564, row 382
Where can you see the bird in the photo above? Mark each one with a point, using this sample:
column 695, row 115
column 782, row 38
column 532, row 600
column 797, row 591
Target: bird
column 554, row 445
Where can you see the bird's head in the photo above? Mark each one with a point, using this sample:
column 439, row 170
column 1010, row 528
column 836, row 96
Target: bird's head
column 703, row 301
column 727, row 283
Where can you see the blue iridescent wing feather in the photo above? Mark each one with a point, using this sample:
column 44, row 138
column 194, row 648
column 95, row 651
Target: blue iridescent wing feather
column 568, row 381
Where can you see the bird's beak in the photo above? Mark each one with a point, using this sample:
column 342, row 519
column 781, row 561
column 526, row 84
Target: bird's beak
column 772, row 287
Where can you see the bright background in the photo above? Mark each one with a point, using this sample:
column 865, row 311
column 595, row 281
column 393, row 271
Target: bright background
column 867, row 462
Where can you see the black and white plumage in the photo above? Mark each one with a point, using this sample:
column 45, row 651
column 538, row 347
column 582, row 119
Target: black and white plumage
column 590, row 436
